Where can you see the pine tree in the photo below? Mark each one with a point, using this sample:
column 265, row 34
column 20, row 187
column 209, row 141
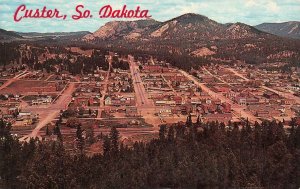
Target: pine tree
column 189, row 122
column 162, row 132
column 114, row 138
column 171, row 136
column 199, row 121
column 47, row 131
column 106, row 145
column 57, row 132
column 80, row 138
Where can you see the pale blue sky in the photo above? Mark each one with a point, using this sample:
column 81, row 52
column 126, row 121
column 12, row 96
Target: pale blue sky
column 251, row 12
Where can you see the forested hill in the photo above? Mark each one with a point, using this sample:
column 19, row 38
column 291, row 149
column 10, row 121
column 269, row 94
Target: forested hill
column 184, row 156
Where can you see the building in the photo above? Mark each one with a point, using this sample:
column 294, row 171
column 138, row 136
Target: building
column 287, row 101
column 42, row 100
column 271, row 95
column 131, row 111
column 107, row 101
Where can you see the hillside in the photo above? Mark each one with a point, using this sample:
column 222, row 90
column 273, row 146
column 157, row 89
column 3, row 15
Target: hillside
column 121, row 29
column 284, row 29
column 9, row 35
column 188, row 26
column 55, row 34
column 199, row 36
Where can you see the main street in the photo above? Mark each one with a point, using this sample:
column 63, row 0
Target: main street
column 103, row 93
column 141, row 95
column 144, row 105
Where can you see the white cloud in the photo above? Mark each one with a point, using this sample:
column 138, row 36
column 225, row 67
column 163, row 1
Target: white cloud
column 273, row 6
column 251, row 3
column 248, row 11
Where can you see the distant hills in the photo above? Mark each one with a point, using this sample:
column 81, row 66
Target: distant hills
column 284, row 29
column 8, row 36
column 52, row 35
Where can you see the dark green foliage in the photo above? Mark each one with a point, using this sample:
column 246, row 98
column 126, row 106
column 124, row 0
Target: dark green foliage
column 199, row 156
column 8, row 52
column 123, row 65
column 114, row 138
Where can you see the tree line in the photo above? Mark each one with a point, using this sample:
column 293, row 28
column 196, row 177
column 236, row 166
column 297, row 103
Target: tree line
column 184, row 155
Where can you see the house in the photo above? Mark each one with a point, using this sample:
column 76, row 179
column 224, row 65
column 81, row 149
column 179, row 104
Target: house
column 266, row 111
column 241, row 100
column 108, row 101
column 25, row 118
column 119, row 101
column 165, row 111
column 287, row 101
column 160, row 102
column 296, row 108
column 176, row 110
column 93, row 101
column 152, row 69
column 252, row 100
column 207, row 79
column 216, row 101
column 177, row 78
column 221, row 89
column 185, row 109
column 131, row 111
column 246, row 98
column 231, row 94
column 271, row 95
column 195, row 101
column 178, row 100
column 226, row 107
column 12, row 110
column 42, row 100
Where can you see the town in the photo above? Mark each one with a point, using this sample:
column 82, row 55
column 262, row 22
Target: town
column 136, row 94
column 150, row 94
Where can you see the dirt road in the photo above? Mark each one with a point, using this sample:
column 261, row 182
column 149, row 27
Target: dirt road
column 12, row 80
column 237, row 109
column 283, row 94
column 100, row 108
column 141, row 95
column 49, row 113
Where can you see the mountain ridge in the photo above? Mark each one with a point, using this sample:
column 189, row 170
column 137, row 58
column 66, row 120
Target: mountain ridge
column 289, row 29
column 187, row 26
column 198, row 36
column 9, row 35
